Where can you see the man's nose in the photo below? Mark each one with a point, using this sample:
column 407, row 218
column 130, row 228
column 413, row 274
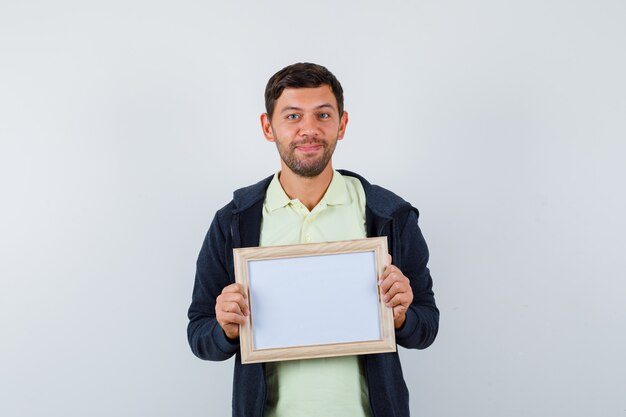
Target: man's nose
column 309, row 126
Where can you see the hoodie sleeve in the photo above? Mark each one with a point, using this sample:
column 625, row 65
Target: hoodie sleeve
column 206, row 337
column 422, row 318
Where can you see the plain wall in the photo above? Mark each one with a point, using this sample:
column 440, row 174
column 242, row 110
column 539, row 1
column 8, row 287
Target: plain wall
column 125, row 125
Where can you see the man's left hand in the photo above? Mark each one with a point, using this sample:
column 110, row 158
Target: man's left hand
column 396, row 292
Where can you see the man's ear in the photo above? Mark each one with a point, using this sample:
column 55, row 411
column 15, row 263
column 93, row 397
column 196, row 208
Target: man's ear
column 343, row 122
column 267, row 128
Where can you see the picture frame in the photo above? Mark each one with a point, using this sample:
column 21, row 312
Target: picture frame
column 314, row 300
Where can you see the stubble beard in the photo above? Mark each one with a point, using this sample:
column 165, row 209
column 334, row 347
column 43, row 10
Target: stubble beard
column 306, row 167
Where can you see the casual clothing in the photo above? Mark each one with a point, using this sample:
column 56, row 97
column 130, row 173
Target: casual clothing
column 322, row 387
column 340, row 214
column 238, row 224
column 329, row 387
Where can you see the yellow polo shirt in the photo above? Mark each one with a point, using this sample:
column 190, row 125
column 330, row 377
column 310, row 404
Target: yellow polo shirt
column 328, row 387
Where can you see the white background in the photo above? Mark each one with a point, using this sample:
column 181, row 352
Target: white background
column 125, row 125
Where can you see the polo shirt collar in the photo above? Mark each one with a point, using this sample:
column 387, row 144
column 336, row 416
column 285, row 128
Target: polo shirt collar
column 337, row 193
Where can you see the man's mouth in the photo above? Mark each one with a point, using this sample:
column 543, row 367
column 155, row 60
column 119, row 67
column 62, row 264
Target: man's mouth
column 309, row 147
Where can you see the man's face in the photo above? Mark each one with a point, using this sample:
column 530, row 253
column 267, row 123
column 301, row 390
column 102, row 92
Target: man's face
column 305, row 127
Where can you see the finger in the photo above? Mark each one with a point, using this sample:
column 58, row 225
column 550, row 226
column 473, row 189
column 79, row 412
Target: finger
column 231, row 307
column 239, row 291
column 387, row 282
column 237, row 298
column 235, row 288
column 230, row 329
column 228, row 309
column 397, row 287
column 399, row 300
column 390, row 269
column 399, row 311
column 226, row 319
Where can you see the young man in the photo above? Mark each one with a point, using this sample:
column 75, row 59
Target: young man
column 309, row 201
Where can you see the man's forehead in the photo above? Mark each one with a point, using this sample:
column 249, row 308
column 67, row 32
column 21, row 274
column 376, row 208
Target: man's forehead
column 307, row 97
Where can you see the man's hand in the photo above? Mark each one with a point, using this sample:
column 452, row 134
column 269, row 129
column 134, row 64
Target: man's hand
column 231, row 309
column 396, row 292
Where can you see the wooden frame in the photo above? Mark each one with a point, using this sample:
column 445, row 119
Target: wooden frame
column 348, row 317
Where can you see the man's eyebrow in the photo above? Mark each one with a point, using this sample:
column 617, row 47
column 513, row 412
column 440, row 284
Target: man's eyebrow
column 294, row 108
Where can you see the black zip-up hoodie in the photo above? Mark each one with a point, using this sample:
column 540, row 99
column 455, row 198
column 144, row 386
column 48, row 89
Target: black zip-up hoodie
column 238, row 224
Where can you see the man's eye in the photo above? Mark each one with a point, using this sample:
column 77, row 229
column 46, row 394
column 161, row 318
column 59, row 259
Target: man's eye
column 324, row 115
column 292, row 117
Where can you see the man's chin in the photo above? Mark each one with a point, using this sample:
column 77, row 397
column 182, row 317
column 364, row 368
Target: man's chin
column 309, row 171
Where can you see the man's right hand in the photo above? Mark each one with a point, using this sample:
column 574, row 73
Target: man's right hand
column 231, row 309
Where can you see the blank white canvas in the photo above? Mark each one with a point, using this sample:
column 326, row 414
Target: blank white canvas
column 314, row 300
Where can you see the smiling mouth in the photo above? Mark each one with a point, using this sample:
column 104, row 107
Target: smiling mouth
column 309, row 148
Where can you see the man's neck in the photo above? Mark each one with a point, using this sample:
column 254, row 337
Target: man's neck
column 309, row 190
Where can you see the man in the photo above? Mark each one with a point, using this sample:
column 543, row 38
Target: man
column 309, row 201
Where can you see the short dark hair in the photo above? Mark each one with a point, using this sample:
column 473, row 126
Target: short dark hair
column 301, row 75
